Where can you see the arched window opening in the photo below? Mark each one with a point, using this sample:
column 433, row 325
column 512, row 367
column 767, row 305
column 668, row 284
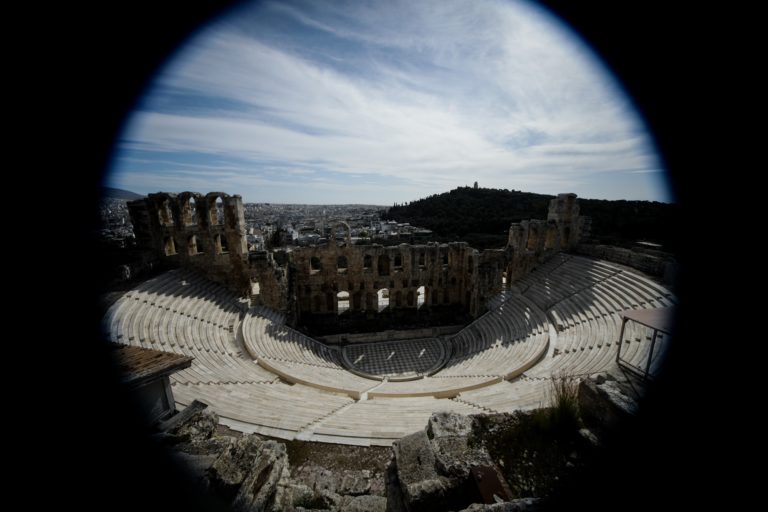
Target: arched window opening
column 169, row 246
column 191, row 216
column 551, row 240
column 383, row 265
column 165, row 213
column 421, row 294
column 422, row 259
column 314, row 265
column 383, row 299
column 504, row 279
column 193, row 210
column 220, row 243
column 341, row 264
column 255, row 288
column 219, row 211
column 398, row 262
column 192, row 245
column 367, row 262
column 342, row 302
column 445, row 258
column 533, row 239
column 215, row 210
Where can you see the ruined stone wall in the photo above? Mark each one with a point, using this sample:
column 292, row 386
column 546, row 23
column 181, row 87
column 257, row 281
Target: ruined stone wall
column 269, row 272
column 446, row 271
column 532, row 242
column 188, row 229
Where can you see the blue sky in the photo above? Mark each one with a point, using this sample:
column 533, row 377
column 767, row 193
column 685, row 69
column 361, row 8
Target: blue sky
column 381, row 102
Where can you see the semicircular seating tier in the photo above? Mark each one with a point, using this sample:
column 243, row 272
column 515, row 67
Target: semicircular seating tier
column 501, row 344
column 261, row 376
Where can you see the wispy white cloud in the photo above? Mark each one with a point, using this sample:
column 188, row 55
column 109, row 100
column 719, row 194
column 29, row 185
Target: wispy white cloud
column 422, row 97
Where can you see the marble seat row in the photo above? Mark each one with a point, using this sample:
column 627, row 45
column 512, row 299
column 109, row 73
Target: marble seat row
column 569, row 278
column 262, row 376
column 274, row 409
column 505, row 340
column 589, row 321
column 182, row 312
column 297, row 357
column 382, row 420
column 508, row 396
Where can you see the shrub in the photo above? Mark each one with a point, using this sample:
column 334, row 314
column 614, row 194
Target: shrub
column 564, row 400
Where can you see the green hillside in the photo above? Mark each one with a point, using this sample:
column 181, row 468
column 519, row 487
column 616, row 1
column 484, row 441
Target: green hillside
column 481, row 216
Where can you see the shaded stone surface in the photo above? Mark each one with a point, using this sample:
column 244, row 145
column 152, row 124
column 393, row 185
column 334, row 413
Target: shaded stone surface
column 445, row 424
column 445, row 466
column 194, row 424
column 422, row 486
column 520, row 505
column 199, row 427
column 234, row 465
column 603, row 404
column 449, row 435
column 366, row 504
column 260, row 486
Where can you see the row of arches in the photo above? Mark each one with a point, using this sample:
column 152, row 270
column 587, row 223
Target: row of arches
column 191, row 209
column 195, row 245
column 343, row 301
column 384, row 263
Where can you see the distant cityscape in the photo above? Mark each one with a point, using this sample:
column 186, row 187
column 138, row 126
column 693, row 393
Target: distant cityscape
column 285, row 225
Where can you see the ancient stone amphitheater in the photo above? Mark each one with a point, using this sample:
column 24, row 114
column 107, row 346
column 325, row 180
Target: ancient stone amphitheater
column 261, row 376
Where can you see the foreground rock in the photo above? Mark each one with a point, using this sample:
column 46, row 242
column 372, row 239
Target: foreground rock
column 604, row 404
column 521, row 505
column 440, row 468
column 485, row 462
column 250, row 470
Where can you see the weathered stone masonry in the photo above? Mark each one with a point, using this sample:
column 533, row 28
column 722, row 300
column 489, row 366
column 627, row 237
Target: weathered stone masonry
column 338, row 280
column 408, row 277
column 188, row 229
column 531, row 242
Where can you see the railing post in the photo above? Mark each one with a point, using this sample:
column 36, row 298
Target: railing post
column 650, row 354
column 621, row 338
